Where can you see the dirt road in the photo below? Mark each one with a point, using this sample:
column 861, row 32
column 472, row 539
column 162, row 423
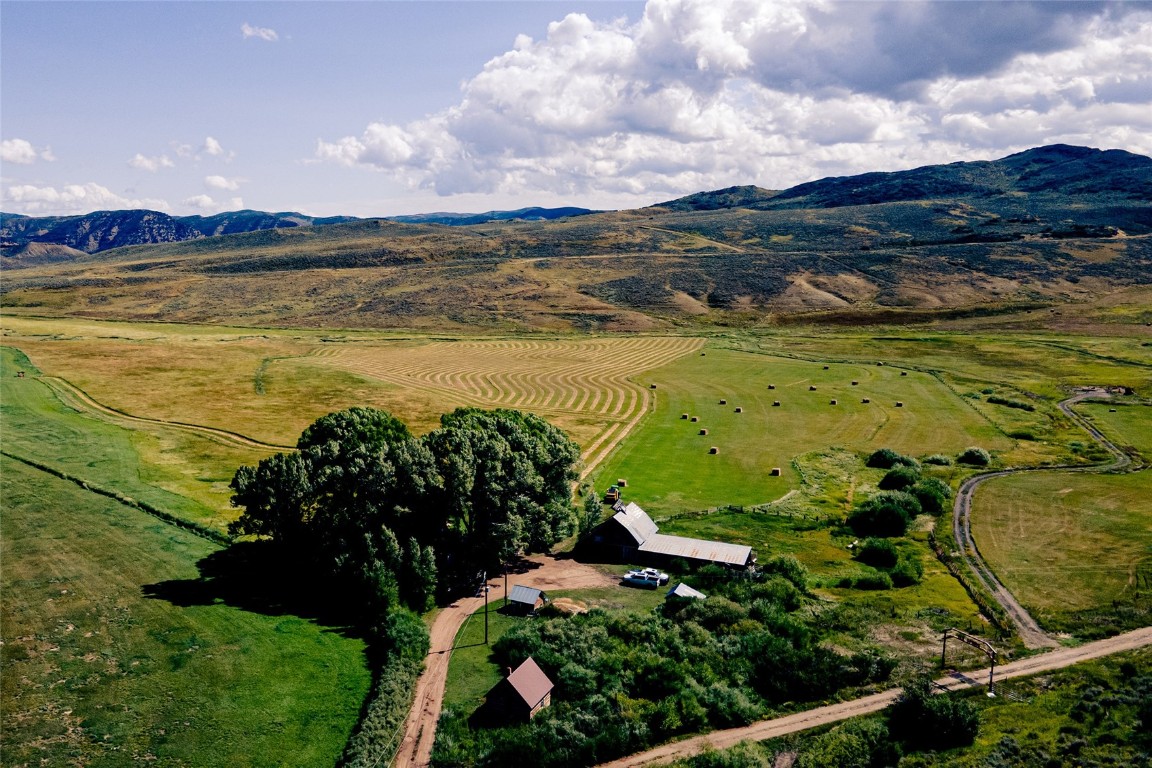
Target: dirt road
column 1030, row 632
column 541, row 571
column 769, row 729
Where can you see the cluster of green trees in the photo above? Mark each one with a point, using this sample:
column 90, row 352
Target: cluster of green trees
column 905, row 493
column 392, row 516
column 625, row 681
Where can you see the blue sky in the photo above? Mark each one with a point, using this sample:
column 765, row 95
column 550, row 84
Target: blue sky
column 385, row 108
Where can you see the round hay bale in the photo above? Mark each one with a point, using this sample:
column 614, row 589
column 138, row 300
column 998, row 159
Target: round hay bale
column 771, row 386
column 825, row 367
column 879, row 363
column 865, row 400
column 855, row 383
column 622, row 483
column 739, row 409
column 723, row 402
column 704, row 431
column 651, row 386
column 713, row 449
column 903, row 373
column 833, row 402
column 1111, row 410
column 811, row 387
column 684, row 416
column 899, row 404
column 775, row 403
column 775, row 472
column 703, row 354
column 695, row 418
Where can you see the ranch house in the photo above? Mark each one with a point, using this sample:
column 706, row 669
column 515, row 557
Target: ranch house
column 518, row 697
column 630, row 535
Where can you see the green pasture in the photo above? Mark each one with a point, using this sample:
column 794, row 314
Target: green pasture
column 667, row 464
column 117, row 652
column 179, row 472
column 1065, row 542
column 1044, row 364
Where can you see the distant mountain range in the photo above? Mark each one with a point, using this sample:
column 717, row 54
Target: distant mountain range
column 63, row 237
column 1041, row 228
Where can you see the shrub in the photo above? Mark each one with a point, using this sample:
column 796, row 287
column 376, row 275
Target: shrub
column 885, row 514
column 886, row 458
column 899, row 478
column 873, row 581
column 925, row 721
column 788, row 567
column 1011, row 403
column 908, row 571
column 933, row 495
column 878, row 553
column 938, row 459
column 974, row 456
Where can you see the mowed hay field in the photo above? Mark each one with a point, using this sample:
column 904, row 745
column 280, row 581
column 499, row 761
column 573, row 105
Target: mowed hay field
column 587, row 387
column 667, row 463
column 269, row 385
column 96, row 673
column 1089, row 534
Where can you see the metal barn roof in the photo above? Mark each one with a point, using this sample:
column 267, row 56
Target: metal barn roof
column 697, row 549
column 522, row 594
column 683, row 590
column 636, row 521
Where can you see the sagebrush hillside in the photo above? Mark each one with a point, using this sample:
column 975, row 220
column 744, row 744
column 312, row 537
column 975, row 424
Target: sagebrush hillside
column 1045, row 227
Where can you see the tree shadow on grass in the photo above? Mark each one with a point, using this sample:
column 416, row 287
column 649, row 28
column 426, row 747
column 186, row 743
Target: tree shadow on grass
column 259, row 577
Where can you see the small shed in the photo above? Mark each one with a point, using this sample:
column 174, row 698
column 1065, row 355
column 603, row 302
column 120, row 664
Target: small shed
column 613, row 495
column 526, row 600
column 685, row 591
column 522, row 694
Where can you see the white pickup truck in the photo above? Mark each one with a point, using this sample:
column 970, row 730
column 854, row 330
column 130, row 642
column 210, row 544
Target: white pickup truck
column 647, row 578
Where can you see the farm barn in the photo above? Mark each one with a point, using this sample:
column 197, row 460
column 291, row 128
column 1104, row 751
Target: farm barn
column 518, row 697
column 630, row 535
column 526, row 599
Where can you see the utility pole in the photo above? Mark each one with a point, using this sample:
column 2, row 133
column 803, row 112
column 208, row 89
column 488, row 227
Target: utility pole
column 484, row 586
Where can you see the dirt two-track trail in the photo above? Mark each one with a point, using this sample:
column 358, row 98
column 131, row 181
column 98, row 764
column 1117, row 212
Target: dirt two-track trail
column 1030, row 632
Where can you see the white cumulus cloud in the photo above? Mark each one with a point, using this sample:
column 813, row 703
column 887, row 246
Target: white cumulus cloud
column 260, row 33
column 707, row 93
column 222, row 182
column 69, row 199
column 151, row 164
column 22, row 152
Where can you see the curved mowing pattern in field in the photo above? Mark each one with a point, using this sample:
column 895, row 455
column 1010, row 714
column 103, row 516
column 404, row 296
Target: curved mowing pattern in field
column 590, row 379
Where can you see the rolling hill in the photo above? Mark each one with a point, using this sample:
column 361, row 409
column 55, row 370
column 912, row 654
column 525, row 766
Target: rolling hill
column 1046, row 227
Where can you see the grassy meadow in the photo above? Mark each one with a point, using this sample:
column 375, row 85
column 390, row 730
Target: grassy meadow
column 1089, row 533
column 667, row 462
column 101, row 669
